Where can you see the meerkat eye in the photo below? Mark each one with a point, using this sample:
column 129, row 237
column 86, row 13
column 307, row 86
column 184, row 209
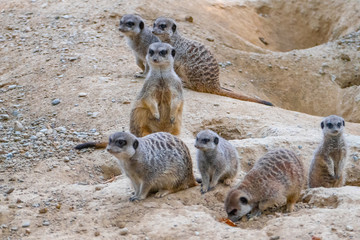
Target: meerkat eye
column 162, row 26
column 243, row 200
column 163, row 53
column 205, row 140
column 130, row 24
column 339, row 124
column 233, row 212
column 121, row 143
column 151, row 52
column 329, row 125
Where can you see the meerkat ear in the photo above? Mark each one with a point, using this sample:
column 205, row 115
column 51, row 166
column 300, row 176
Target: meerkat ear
column 141, row 25
column 173, row 27
column 135, row 144
column 216, row 140
column 173, row 52
column 322, row 125
column 244, row 200
column 343, row 123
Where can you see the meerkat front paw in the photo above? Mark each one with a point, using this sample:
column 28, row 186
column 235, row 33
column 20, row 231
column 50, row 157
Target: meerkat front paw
column 172, row 120
column 140, row 75
column 157, row 116
column 134, row 199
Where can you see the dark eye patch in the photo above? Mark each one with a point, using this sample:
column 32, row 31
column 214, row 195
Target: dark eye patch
column 163, row 53
column 205, row 140
column 120, row 143
column 233, row 212
column 151, row 52
column 339, row 124
column 162, row 26
column 130, row 24
column 330, row 125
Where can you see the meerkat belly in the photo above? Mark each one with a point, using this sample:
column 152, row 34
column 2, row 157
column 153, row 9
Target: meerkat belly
column 163, row 97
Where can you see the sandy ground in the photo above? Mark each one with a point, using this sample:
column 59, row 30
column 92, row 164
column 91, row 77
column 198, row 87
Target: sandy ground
column 307, row 64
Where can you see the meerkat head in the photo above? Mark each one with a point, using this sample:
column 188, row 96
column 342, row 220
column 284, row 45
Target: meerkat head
column 131, row 24
column 122, row 145
column 164, row 28
column 237, row 204
column 206, row 140
column 333, row 125
column 160, row 54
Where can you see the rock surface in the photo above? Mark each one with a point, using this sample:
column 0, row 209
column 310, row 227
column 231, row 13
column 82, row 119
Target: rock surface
column 72, row 51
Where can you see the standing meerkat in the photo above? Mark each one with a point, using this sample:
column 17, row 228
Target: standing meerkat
column 159, row 105
column 139, row 38
column 159, row 162
column 327, row 165
column 217, row 160
column 196, row 66
column 276, row 178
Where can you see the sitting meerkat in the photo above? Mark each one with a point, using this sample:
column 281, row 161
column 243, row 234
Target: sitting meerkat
column 217, row 160
column 327, row 165
column 159, row 162
column 159, row 105
column 276, row 178
column 139, row 37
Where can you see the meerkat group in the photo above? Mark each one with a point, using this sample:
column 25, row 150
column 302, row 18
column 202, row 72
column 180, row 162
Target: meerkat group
column 155, row 160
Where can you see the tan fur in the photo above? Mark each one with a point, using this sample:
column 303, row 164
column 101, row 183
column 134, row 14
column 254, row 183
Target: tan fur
column 159, row 162
column 195, row 64
column 276, row 178
column 327, row 166
column 159, row 105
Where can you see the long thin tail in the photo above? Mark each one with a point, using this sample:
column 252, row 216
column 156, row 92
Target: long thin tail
column 97, row 145
column 227, row 93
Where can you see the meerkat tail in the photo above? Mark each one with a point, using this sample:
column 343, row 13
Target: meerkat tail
column 97, row 145
column 227, row 93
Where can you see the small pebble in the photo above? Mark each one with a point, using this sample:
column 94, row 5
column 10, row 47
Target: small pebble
column 55, row 101
column 345, row 57
column 275, row 238
column 43, row 210
column 4, row 117
column 26, row 224
column 97, row 233
column 14, row 229
column 197, row 233
column 349, row 228
column 46, row 223
column 10, row 190
column 82, row 94
column 189, row 19
column 94, row 114
column 124, row 231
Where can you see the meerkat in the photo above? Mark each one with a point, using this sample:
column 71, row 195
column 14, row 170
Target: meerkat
column 276, row 178
column 159, row 162
column 327, row 165
column 196, row 66
column 139, row 38
column 159, row 105
column 217, row 160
